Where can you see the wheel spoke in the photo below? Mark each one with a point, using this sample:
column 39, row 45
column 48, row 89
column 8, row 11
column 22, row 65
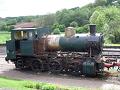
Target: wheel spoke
column 36, row 66
column 19, row 64
column 55, row 67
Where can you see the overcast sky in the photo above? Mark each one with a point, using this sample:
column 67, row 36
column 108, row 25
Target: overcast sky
column 11, row 8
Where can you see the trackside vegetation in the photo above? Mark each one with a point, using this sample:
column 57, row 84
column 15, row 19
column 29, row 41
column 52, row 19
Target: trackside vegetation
column 14, row 84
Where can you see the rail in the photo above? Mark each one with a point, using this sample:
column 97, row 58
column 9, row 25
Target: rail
column 111, row 52
column 111, row 46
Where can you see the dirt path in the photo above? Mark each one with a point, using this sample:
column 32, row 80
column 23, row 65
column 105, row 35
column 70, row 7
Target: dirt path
column 8, row 70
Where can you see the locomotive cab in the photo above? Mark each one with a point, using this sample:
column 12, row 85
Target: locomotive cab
column 22, row 42
column 23, row 34
column 19, row 37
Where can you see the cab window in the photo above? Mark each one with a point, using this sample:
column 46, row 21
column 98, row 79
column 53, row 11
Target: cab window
column 30, row 34
column 19, row 35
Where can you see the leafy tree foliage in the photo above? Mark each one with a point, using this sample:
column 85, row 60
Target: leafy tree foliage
column 104, row 13
column 100, row 2
column 108, row 22
column 83, row 29
column 58, row 26
column 46, row 20
column 74, row 24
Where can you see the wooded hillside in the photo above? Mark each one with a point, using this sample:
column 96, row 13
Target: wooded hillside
column 104, row 13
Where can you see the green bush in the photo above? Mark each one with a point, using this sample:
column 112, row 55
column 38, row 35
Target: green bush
column 73, row 24
column 49, row 87
column 29, row 85
column 62, row 28
column 83, row 29
column 56, row 31
column 37, row 86
column 79, row 30
column 58, row 26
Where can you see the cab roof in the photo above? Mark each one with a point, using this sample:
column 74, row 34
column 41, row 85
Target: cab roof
column 21, row 29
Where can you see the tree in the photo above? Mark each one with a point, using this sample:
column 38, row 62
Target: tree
column 98, row 18
column 83, row 29
column 11, row 22
column 49, row 19
column 74, row 24
column 46, row 20
column 65, row 17
column 108, row 22
column 106, row 2
column 100, row 2
column 58, row 26
column 62, row 28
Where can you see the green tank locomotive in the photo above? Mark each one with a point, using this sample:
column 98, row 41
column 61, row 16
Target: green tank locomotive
column 38, row 49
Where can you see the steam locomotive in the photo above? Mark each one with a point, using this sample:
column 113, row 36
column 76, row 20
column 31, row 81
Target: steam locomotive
column 38, row 49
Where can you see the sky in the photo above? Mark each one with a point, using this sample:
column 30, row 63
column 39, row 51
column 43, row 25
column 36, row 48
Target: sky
column 12, row 8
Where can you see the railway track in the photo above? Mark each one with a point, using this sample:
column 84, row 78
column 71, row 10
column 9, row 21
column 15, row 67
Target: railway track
column 112, row 47
column 111, row 52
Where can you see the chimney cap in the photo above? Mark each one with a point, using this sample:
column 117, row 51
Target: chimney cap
column 92, row 29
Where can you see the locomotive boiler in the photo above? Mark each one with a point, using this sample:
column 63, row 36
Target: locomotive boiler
column 38, row 49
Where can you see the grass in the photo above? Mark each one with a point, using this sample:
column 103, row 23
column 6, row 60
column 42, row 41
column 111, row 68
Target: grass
column 29, row 85
column 4, row 36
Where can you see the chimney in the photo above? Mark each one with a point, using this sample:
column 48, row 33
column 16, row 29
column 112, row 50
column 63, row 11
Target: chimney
column 92, row 29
